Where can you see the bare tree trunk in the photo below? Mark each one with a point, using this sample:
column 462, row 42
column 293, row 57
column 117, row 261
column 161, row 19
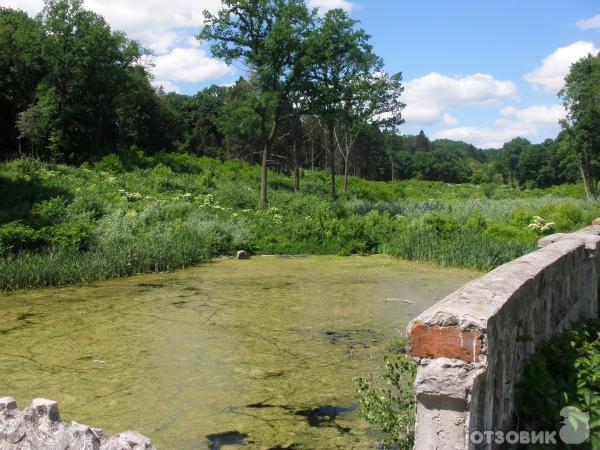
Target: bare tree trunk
column 331, row 129
column 296, row 166
column 346, row 167
column 264, row 166
column 586, row 181
column 393, row 168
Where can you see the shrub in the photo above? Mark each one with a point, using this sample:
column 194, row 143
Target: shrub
column 510, row 233
column 111, row 164
column 49, row 212
column 563, row 372
column 86, row 206
column 444, row 225
column 387, row 401
column 75, row 234
column 16, row 237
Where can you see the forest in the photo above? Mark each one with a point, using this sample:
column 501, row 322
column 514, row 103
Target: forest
column 75, row 91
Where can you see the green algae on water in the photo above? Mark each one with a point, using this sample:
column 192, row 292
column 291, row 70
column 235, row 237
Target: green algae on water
column 259, row 352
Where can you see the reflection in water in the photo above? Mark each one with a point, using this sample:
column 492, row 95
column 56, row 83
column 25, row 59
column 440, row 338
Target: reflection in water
column 249, row 352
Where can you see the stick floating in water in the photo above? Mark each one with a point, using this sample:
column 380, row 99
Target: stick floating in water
column 399, row 300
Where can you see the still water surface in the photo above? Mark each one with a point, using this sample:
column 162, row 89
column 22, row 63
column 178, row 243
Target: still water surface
column 259, row 352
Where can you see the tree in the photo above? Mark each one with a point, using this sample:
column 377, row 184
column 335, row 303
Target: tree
column 340, row 57
column 32, row 125
column 95, row 92
column 581, row 99
column 21, row 69
column 511, row 153
column 373, row 99
column 241, row 123
column 268, row 36
column 422, row 142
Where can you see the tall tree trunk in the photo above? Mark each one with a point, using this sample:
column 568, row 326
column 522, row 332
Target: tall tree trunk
column 330, row 128
column 586, row 181
column 393, row 168
column 263, row 169
column 295, row 155
column 296, row 166
column 346, row 168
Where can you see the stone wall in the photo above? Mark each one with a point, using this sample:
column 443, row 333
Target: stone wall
column 39, row 427
column 471, row 345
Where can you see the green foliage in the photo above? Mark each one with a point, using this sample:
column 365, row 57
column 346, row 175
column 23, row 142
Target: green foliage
column 51, row 211
column 387, row 401
column 111, row 164
column 74, row 90
column 580, row 97
column 14, row 237
column 563, row 372
column 21, row 66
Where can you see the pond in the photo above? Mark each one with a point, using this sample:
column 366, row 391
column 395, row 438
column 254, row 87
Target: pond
column 258, row 352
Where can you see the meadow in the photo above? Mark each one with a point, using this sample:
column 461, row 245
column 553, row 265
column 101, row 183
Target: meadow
column 136, row 213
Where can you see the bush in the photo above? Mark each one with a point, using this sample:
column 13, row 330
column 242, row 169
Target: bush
column 111, row 164
column 75, row 234
column 564, row 371
column 444, row 225
column 387, row 401
column 16, row 237
column 49, row 212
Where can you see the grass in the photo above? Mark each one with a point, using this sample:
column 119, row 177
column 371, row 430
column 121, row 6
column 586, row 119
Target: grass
column 134, row 214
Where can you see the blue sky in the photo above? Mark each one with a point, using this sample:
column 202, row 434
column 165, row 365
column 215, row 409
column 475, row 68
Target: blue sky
column 479, row 71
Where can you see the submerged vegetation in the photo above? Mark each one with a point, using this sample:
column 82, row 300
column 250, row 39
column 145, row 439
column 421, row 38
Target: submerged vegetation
column 133, row 213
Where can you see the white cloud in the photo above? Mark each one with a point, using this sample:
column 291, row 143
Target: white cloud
column 524, row 122
column 536, row 116
column 30, row 6
column 189, row 64
column 156, row 23
column 165, row 27
column 449, row 120
column 429, row 96
column 326, row 5
column 589, row 23
column 550, row 74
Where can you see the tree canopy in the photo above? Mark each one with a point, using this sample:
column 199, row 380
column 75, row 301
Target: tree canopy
column 581, row 98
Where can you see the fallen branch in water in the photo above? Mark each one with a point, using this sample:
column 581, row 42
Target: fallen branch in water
column 399, row 300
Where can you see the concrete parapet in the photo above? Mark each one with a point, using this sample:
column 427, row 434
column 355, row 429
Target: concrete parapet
column 471, row 345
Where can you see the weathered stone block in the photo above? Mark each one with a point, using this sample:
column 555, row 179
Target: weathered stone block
column 39, row 427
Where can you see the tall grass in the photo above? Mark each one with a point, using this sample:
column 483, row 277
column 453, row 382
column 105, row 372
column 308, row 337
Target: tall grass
column 63, row 225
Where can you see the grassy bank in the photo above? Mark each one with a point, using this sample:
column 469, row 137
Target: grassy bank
column 134, row 214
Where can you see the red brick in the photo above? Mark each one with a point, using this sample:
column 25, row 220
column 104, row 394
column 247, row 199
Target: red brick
column 434, row 341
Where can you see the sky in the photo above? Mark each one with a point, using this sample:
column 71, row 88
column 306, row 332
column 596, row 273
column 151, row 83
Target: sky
column 481, row 71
